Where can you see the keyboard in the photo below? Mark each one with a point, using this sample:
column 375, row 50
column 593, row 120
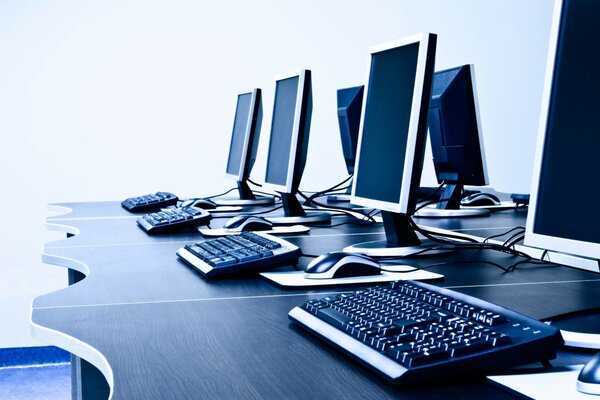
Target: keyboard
column 411, row 332
column 246, row 252
column 174, row 219
column 149, row 202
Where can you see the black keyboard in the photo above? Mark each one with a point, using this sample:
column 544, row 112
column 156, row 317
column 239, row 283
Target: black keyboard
column 174, row 219
column 248, row 251
column 414, row 332
column 149, row 202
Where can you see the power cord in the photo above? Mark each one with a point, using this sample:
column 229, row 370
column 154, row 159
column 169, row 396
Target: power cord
column 220, row 194
column 340, row 209
column 254, row 183
column 250, row 213
column 522, row 228
column 327, row 191
column 460, row 242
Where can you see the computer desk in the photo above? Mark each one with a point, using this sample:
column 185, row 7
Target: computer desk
column 156, row 329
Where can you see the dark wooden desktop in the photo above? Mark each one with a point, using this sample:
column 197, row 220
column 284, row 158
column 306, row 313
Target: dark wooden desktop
column 168, row 333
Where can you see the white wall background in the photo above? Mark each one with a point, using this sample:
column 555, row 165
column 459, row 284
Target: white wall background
column 91, row 90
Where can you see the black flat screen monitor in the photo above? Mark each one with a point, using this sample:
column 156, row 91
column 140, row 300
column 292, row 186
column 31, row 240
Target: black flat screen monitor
column 392, row 136
column 564, row 216
column 456, row 141
column 288, row 145
column 245, row 135
column 349, row 102
column 290, row 129
column 242, row 149
column 454, row 128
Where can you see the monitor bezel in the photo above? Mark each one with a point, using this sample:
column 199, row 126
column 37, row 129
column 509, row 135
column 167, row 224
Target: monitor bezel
column 403, row 202
column 251, row 116
column 486, row 179
column 300, row 95
column 564, row 245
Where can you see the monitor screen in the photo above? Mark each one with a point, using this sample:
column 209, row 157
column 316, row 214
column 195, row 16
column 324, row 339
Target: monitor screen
column 385, row 126
column 282, row 132
column 239, row 137
column 565, row 197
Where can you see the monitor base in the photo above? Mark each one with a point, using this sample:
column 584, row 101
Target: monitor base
column 446, row 213
column 258, row 201
column 310, row 218
column 382, row 248
column 580, row 330
column 338, row 197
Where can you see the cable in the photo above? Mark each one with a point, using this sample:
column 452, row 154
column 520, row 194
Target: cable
column 341, row 190
column 428, row 233
column 331, row 189
column 267, row 193
column 417, row 253
column 221, row 194
column 308, row 255
column 534, row 262
column 250, row 213
column 261, row 192
column 514, row 239
column 357, row 222
column 468, row 262
column 341, row 209
column 433, row 192
column 428, row 203
column 503, row 233
column 474, row 244
column 254, row 183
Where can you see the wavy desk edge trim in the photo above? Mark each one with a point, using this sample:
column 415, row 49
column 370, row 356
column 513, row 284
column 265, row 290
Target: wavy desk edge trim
column 65, row 262
column 53, row 226
column 74, row 346
column 59, row 210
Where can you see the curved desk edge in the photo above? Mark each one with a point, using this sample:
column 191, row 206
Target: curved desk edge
column 74, row 346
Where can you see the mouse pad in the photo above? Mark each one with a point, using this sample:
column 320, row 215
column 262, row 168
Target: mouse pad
column 295, row 279
column 277, row 230
column 553, row 383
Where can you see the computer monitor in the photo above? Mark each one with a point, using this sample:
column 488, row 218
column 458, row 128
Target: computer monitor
column 349, row 103
column 288, row 145
column 243, row 147
column 391, row 144
column 563, row 212
column 456, row 141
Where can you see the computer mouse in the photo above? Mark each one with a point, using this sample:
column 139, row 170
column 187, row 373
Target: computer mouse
column 244, row 223
column 205, row 204
column 480, row 199
column 589, row 377
column 340, row 264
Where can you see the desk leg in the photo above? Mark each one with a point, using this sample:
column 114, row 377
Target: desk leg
column 74, row 276
column 87, row 383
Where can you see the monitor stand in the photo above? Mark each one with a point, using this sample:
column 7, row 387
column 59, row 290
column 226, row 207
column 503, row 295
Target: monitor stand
column 580, row 329
column 401, row 240
column 247, row 198
column 451, row 208
column 296, row 214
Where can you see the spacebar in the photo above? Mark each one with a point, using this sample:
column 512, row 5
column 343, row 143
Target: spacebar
column 366, row 354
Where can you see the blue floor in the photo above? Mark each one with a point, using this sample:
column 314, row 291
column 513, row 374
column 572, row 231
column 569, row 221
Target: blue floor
column 34, row 374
